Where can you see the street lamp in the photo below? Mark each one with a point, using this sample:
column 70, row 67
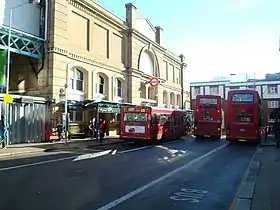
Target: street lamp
column 183, row 66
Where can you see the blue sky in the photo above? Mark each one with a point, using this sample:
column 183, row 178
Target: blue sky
column 218, row 37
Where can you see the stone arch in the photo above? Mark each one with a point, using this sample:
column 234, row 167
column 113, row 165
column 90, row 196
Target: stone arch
column 148, row 56
column 102, row 85
column 165, row 97
column 78, row 78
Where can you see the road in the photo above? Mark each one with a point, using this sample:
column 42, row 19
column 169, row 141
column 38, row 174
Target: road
column 184, row 174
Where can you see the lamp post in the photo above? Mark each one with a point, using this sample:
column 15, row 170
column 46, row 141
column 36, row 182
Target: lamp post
column 183, row 66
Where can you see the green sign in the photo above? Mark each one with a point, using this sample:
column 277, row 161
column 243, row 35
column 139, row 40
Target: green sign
column 3, row 65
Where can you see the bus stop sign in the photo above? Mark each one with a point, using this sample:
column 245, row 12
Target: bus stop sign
column 154, row 81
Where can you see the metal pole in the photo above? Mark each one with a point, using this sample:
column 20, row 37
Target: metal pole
column 254, row 81
column 246, row 81
column 66, row 114
column 7, row 113
column 9, row 51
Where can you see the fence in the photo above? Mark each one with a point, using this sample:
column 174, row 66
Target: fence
column 26, row 118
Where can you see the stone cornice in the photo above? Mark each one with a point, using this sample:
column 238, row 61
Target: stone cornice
column 82, row 59
column 95, row 10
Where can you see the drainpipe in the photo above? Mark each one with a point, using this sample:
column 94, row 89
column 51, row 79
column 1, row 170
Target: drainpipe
column 46, row 19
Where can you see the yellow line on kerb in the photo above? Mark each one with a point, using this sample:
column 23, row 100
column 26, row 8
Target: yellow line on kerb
column 233, row 204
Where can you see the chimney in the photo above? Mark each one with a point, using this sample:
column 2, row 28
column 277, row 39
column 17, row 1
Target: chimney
column 131, row 15
column 159, row 32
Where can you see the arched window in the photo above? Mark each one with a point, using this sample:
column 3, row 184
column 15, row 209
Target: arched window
column 178, row 100
column 76, row 79
column 119, row 88
column 142, row 90
column 100, row 85
column 165, row 99
column 146, row 63
column 172, row 99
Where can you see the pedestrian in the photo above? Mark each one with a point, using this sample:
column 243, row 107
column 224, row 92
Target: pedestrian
column 59, row 129
column 266, row 132
column 276, row 130
column 101, row 129
column 3, row 131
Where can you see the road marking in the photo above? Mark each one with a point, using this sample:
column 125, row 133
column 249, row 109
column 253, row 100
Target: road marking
column 38, row 163
column 136, row 149
column 150, row 146
column 92, row 155
column 145, row 187
column 190, row 195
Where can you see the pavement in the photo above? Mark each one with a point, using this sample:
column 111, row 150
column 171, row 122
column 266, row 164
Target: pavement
column 183, row 174
column 34, row 148
column 267, row 190
column 259, row 188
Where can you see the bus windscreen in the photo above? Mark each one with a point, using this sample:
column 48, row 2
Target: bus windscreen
column 208, row 101
column 242, row 97
column 135, row 117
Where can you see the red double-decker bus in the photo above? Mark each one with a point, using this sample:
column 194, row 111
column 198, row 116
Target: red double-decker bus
column 208, row 116
column 140, row 123
column 243, row 116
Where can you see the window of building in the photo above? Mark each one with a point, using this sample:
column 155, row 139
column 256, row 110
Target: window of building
column 234, row 88
column 272, row 89
column 178, row 76
column 166, row 70
column 197, row 90
column 119, row 88
column 76, row 79
column 76, row 115
column 214, row 89
column 101, row 85
column 272, row 104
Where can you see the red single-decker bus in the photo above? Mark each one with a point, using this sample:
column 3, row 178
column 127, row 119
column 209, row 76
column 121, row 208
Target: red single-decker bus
column 151, row 123
column 243, row 116
column 208, row 116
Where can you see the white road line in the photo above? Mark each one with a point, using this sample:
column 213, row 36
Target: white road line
column 92, row 155
column 38, row 163
column 145, row 187
column 150, row 146
column 136, row 149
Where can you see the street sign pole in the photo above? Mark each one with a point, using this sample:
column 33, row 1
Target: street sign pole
column 66, row 113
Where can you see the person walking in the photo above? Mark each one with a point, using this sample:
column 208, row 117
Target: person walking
column 276, row 130
column 3, row 131
column 59, row 129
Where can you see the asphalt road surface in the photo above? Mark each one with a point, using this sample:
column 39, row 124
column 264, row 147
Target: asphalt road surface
column 184, row 174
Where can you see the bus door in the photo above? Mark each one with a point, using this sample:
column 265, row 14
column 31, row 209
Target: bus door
column 135, row 125
column 155, row 127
